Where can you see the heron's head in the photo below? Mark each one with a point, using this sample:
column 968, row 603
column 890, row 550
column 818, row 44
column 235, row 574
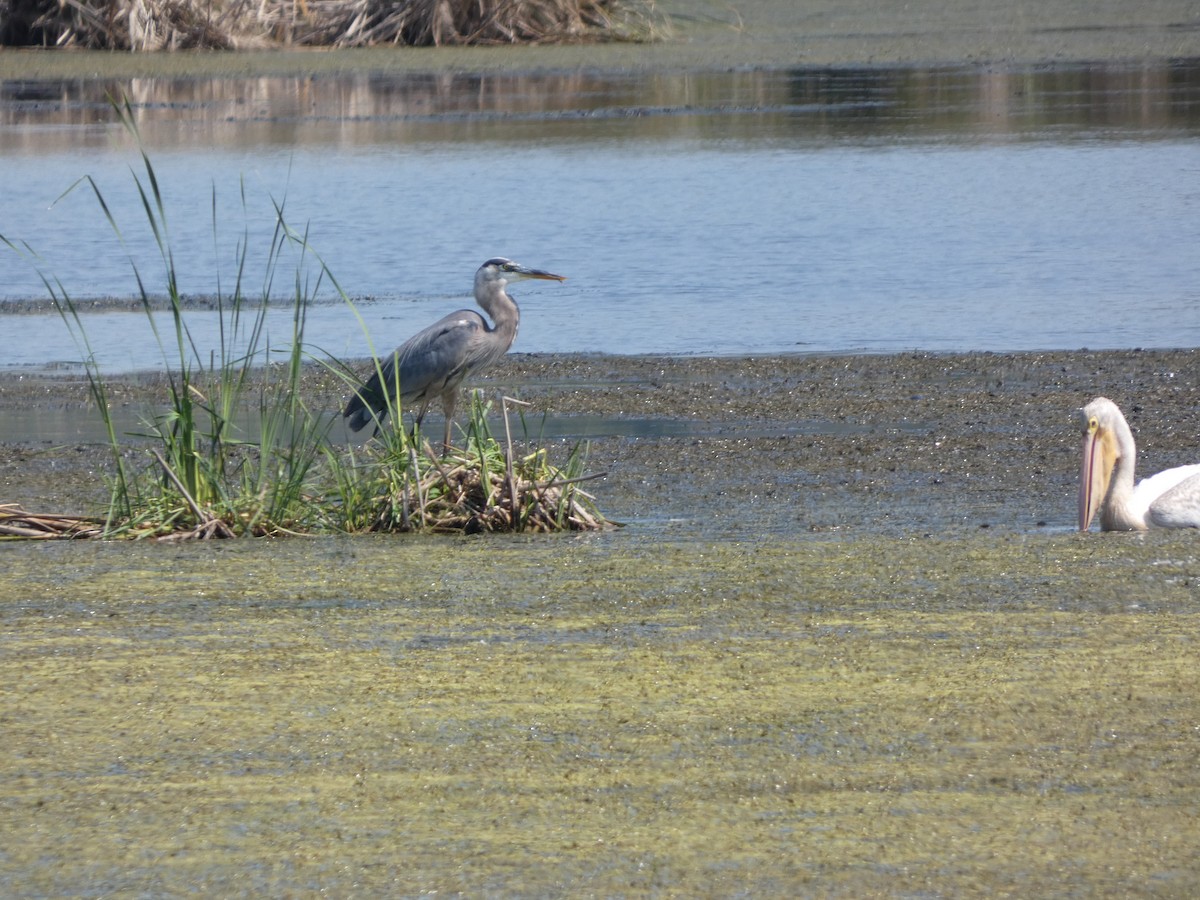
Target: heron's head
column 504, row 271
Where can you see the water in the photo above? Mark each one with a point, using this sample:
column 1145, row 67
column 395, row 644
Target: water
column 727, row 213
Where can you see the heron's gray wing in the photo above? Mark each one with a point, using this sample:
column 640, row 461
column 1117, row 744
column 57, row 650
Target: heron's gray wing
column 1178, row 506
column 430, row 361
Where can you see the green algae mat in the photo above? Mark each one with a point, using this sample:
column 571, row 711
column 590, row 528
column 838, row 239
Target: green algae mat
column 986, row 713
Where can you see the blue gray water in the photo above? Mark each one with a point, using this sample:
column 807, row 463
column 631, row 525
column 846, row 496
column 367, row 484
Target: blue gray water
column 726, row 213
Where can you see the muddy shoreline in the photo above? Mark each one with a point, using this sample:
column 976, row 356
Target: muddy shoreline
column 914, row 441
column 717, row 35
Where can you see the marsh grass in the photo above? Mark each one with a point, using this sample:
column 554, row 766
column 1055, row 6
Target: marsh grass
column 237, row 451
column 397, row 482
column 211, row 476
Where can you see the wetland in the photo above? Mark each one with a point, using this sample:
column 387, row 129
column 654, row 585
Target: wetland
column 847, row 641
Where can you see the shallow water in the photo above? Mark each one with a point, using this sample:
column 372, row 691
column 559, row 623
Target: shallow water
column 390, row 717
column 722, row 213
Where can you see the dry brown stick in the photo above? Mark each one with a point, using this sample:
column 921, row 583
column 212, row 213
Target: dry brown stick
column 192, row 504
column 437, row 464
column 16, row 522
column 68, row 526
column 59, row 517
column 415, row 473
column 28, row 521
column 21, row 531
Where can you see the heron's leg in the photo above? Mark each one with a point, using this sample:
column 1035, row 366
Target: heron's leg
column 418, row 419
column 449, row 401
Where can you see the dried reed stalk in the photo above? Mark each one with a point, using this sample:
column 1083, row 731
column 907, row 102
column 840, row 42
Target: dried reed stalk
column 17, row 523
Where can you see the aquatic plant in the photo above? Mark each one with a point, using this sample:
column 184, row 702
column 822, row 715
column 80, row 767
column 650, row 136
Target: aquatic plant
column 214, row 474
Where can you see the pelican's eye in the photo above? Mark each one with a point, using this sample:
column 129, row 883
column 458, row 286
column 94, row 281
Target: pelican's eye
column 1093, row 424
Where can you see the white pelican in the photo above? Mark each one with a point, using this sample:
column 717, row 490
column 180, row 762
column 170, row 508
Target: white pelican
column 1170, row 499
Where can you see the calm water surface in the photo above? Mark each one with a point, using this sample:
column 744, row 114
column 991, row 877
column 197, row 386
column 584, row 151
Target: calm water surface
column 727, row 213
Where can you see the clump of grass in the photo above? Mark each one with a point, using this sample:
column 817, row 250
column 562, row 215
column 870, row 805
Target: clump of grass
column 398, row 483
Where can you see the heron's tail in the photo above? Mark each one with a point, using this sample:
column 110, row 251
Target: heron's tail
column 359, row 412
column 369, row 405
column 356, row 416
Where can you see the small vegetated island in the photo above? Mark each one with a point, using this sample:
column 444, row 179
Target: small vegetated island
column 236, row 446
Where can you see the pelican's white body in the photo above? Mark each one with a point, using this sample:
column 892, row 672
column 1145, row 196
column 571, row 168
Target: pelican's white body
column 1170, row 499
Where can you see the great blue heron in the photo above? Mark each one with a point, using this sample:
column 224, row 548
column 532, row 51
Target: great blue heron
column 1170, row 499
column 434, row 361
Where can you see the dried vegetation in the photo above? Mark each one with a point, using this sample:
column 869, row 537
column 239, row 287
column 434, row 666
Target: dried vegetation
column 16, row 523
column 481, row 487
column 148, row 25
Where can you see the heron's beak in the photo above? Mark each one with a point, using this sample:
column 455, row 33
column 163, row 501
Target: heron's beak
column 523, row 272
column 1099, row 457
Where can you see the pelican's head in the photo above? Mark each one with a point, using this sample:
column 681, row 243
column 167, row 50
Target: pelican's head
column 501, row 271
column 1102, row 423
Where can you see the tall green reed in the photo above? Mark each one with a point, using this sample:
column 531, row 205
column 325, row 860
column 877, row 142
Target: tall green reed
column 236, row 447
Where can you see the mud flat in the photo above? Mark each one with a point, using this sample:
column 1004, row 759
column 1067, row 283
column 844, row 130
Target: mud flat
column 737, row 446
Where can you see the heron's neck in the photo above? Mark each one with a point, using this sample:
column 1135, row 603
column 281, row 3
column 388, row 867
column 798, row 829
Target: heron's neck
column 503, row 310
